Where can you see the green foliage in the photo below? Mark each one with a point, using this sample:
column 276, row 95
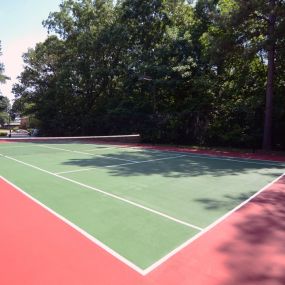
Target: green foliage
column 206, row 66
column 4, row 110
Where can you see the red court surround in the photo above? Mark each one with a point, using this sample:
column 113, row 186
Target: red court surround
column 36, row 248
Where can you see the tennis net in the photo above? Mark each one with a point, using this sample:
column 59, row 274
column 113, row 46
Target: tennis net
column 118, row 139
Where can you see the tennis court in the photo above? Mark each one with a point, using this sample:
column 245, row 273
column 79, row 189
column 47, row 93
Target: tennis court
column 142, row 206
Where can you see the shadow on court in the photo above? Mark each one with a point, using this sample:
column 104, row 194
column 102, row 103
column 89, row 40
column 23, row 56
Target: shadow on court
column 256, row 251
column 226, row 177
column 228, row 202
column 173, row 167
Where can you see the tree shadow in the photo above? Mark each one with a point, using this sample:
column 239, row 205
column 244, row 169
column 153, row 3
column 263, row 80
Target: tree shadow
column 228, row 202
column 256, row 253
column 190, row 165
column 186, row 166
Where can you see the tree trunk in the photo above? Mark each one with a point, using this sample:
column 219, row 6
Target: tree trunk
column 267, row 135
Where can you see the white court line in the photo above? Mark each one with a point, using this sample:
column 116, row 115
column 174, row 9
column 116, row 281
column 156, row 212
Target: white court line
column 123, row 164
column 108, row 194
column 86, row 153
column 74, row 171
column 210, row 227
column 80, row 230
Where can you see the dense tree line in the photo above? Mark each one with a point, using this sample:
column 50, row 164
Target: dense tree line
column 212, row 73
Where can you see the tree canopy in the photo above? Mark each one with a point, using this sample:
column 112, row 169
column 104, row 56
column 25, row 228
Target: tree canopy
column 207, row 74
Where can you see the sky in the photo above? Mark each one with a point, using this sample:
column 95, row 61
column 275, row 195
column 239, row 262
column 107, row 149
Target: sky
column 21, row 28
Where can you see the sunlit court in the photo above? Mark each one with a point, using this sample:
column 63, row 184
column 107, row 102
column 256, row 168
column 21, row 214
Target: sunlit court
column 140, row 205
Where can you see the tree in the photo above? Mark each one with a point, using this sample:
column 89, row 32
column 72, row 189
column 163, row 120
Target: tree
column 253, row 28
column 207, row 65
column 4, row 110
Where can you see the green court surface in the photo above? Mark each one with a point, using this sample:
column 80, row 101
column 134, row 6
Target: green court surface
column 142, row 204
